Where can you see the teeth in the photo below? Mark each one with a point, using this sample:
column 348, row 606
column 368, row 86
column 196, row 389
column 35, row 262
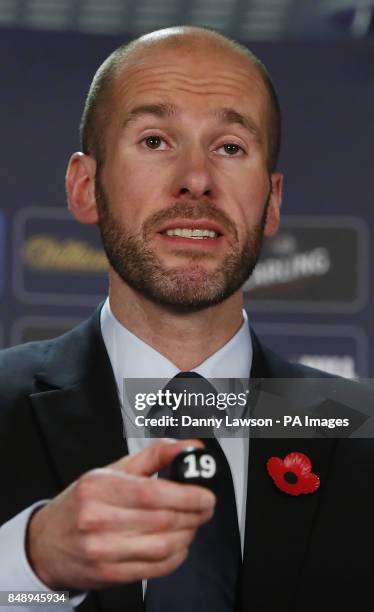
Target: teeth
column 192, row 233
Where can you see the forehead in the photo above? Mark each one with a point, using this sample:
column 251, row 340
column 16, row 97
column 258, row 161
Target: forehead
column 196, row 78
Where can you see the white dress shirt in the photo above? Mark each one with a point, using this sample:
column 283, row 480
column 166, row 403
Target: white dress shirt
column 130, row 357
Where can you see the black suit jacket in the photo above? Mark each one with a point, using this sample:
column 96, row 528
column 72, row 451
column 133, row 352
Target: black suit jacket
column 60, row 417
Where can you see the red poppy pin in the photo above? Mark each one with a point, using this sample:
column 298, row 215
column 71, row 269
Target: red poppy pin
column 293, row 474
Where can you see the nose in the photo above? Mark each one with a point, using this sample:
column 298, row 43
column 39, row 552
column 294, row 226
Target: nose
column 193, row 177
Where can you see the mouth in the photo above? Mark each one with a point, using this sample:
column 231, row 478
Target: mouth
column 188, row 231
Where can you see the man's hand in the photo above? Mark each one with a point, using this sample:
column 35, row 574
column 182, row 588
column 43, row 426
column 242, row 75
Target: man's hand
column 116, row 524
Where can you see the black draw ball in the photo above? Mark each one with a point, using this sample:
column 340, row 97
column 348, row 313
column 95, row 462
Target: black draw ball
column 194, row 466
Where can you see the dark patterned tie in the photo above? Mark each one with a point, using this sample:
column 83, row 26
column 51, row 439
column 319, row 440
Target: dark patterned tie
column 208, row 580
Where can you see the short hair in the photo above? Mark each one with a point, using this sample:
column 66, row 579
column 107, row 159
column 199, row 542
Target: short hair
column 97, row 109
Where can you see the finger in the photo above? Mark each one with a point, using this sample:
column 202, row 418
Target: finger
column 110, row 548
column 165, row 494
column 154, row 457
column 110, row 518
column 125, row 490
column 150, row 494
column 116, row 573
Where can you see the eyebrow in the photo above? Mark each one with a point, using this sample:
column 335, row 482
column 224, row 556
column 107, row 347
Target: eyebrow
column 162, row 110
column 157, row 110
column 229, row 115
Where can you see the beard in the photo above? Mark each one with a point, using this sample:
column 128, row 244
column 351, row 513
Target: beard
column 187, row 286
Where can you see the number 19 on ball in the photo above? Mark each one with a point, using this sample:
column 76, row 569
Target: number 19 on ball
column 194, row 466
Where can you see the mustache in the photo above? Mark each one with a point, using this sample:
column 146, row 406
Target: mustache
column 193, row 211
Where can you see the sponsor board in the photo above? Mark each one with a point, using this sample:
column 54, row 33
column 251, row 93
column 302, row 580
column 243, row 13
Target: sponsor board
column 2, row 252
column 340, row 349
column 56, row 260
column 315, row 264
column 28, row 329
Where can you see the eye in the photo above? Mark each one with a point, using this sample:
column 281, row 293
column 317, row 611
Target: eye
column 155, row 142
column 231, row 149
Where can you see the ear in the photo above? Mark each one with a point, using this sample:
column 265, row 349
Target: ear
column 80, row 188
column 273, row 213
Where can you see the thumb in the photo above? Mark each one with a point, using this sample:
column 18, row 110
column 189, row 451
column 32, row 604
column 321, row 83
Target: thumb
column 154, row 457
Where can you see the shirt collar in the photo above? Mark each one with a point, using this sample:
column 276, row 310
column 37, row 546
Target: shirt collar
column 131, row 357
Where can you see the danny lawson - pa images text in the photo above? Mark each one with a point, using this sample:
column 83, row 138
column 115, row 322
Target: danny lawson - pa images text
column 286, row 421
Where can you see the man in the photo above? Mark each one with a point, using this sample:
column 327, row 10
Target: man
column 180, row 141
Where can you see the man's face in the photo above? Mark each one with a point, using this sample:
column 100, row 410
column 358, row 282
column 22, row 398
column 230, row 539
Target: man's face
column 184, row 195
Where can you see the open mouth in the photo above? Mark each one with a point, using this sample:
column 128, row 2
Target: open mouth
column 189, row 231
column 195, row 234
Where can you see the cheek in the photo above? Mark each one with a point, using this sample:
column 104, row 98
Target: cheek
column 248, row 196
column 134, row 191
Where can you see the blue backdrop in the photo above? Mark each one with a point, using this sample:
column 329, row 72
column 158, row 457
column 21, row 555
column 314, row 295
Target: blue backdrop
column 311, row 296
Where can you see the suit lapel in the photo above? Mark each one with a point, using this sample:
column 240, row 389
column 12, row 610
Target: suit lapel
column 78, row 412
column 278, row 526
column 77, row 404
column 81, row 429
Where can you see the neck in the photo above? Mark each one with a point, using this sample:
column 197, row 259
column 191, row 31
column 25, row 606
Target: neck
column 186, row 339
